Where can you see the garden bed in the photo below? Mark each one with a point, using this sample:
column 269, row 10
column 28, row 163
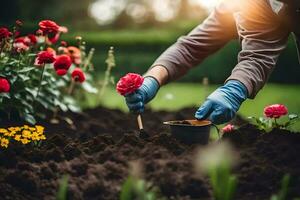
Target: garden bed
column 96, row 150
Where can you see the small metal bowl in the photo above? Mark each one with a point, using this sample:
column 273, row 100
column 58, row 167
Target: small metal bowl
column 190, row 131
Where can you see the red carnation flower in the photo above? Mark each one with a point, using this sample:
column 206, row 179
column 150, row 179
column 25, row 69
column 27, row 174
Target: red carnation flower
column 4, row 33
column 62, row 64
column 4, row 85
column 78, row 75
column 20, row 47
column 275, row 111
column 229, row 128
column 24, row 40
column 52, row 39
column 129, row 83
column 32, row 38
column 61, row 72
column 48, row 27
column 45, row 57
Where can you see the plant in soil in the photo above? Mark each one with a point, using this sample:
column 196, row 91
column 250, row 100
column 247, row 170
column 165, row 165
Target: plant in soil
column 272, row 114
column 63, row 188
column 217, row 161
column 282, row 195
column 36, row 71
column 136, row 188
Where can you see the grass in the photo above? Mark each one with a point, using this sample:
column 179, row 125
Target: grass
column 176, row 96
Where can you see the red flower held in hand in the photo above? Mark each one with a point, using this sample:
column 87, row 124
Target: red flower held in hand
column 48, row 27
column 275, row 111
column 4, row 33
column 45, row 57
column 129, row 83
column 229, row 128
column 62, row 64
column 4, row 85
column 78, row 75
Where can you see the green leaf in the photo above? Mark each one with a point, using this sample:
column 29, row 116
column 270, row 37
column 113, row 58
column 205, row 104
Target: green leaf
column 293, row 116
column 74, row 108
column 27, row 69
column 89, row 88
column 63, row 188
column 127, row 189
column 29, row 118
column 5, row 95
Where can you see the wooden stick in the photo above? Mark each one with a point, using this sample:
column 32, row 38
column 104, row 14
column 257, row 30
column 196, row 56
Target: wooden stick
column 140, row 122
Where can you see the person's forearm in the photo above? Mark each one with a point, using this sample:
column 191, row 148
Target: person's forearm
column 160, row 73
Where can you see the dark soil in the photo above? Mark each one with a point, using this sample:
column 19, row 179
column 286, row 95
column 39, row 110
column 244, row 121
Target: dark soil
column 96, row 150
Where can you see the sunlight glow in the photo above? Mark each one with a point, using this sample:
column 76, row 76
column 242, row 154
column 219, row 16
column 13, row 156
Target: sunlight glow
column 207, row 4
column 105, row 11
column 165, row 10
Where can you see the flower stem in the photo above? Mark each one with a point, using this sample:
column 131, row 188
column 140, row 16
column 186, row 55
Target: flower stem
column 276, row 124
column 40, row 84
column 71, row 87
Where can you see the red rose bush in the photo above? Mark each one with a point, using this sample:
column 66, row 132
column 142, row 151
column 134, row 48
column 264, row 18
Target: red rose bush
column 129, row 83
column 39, row 73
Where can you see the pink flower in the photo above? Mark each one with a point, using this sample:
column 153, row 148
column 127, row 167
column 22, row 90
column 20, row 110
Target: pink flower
column 275, row 111
column 4, row 85
column 129, row 83
column 229, row 128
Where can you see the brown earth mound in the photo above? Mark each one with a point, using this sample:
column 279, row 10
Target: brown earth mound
column 96, row 150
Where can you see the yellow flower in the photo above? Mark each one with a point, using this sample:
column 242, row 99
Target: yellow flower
column 25, row 141
column 43, row 137
column 39, row 129
column 26, row 127
column 35, row 136
column 14, row 129
column 17, row 137
column 32, row 129
column 4, row 142
column 10, row 134
column 3, row 130
column 26, row 134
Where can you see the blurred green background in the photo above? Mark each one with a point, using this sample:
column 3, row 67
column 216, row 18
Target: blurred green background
column 140, row 30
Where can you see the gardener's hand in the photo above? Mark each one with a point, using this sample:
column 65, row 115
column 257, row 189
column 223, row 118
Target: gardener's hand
column 137, row 100
column 221, row 106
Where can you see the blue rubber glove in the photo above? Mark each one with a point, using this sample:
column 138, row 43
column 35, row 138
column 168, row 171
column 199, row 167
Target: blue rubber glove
column 221, row 106
column 137, row 100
